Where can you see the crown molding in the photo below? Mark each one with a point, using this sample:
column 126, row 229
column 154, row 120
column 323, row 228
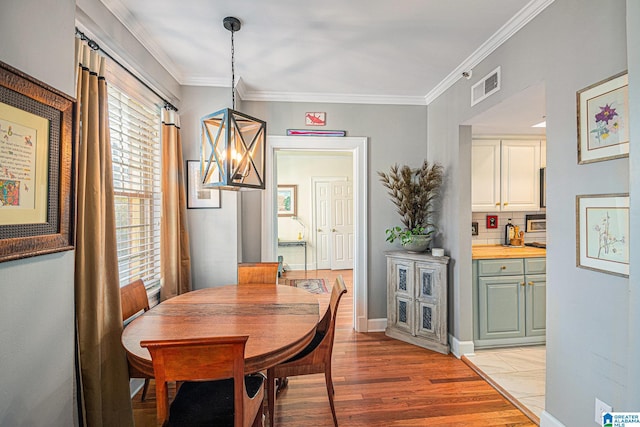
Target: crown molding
column 519, row 20
column 121, row 12
column 332, row 98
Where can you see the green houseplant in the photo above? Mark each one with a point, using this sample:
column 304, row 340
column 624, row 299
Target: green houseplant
column 414, row 192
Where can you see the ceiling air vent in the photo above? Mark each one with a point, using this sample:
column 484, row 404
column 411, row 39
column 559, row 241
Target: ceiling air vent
column 485, row 87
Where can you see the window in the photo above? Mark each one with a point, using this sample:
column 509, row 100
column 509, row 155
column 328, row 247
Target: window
column 135, row 147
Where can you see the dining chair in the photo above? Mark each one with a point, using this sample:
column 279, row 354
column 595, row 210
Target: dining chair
column 133, row 299
column 257, row 272
column 315, row 358
column 213, row 391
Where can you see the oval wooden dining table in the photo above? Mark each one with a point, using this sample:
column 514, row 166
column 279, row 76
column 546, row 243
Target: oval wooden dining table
column 279, row 320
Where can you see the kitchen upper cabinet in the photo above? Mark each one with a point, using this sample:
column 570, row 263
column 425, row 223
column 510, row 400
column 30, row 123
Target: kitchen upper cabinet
column 505, row 175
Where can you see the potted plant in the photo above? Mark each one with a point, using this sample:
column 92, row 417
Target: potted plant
column 414, row 192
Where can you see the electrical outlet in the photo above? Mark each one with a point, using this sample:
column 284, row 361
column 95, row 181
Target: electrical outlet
column 601, row 408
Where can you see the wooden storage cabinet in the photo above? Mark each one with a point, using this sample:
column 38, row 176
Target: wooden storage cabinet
column 417, row 299
column 511, row 301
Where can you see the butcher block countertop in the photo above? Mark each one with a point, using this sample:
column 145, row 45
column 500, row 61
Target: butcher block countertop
column 499, row 251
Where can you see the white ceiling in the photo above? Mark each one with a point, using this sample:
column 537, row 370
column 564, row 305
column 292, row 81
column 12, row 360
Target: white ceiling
column 378, row 51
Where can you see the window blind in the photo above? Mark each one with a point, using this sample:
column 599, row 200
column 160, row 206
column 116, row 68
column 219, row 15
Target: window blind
column 135, row 147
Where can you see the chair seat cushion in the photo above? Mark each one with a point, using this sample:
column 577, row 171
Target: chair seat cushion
column 208, row 403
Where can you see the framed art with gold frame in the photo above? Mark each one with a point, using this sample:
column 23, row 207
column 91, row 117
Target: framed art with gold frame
column 603, row 120
column 36, row 167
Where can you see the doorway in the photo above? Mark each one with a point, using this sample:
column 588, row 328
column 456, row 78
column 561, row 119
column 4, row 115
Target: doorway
column 358, row 148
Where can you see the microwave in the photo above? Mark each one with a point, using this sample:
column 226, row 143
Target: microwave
column 543, row 187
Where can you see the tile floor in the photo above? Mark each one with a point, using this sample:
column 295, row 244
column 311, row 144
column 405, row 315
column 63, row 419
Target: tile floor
column 519, row 370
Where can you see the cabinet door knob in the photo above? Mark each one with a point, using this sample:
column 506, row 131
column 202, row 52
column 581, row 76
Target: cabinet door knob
column 498, row 204
column 334, row 230
column 504, row 267
column 522, row 284
column 530, row 283
column 506, row 203
column 319, row 230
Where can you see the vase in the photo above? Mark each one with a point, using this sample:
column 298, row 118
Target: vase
column 420, row 243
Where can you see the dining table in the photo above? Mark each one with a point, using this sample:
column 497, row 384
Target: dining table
column 279, row 320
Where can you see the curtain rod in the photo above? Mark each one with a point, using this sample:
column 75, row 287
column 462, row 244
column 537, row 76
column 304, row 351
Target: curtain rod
column 93, row 45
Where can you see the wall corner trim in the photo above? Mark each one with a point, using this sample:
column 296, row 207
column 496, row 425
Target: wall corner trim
column 460, row 348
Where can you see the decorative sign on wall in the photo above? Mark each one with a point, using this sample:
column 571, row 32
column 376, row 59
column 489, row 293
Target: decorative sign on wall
column 315, row 119
column 492, row 221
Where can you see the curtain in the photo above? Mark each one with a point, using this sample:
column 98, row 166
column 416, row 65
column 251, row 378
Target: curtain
column 175, row 259
column 104, row 377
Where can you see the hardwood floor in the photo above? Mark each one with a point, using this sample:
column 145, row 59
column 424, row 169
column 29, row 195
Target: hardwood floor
column 379, row 382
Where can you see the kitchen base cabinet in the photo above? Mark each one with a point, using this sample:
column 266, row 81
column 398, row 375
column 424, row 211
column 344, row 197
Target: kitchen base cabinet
column 510, row 301
column 417, row 299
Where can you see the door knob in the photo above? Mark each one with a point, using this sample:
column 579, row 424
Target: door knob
column 506, row 203
column 319, row 230
column 333, row 230
column 522, row 284
column 530, row 283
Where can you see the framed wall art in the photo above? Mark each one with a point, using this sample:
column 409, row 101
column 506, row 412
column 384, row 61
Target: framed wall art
column 36, row 167
column 315, row 118
column 287, row 200
column 603, row 120
column 492, row 221
column 199, row 197
column 603, row 233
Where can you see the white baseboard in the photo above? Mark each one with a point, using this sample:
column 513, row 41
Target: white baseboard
column 460, row 348
column 377, row 325
column 548, row 420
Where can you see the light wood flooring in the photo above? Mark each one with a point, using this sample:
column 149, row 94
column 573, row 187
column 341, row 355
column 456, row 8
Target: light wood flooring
column 379, row 382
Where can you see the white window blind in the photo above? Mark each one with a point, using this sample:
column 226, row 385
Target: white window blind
column 135, row 147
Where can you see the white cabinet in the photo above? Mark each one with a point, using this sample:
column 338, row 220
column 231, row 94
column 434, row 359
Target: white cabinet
column 505, row 175
column 417, row 299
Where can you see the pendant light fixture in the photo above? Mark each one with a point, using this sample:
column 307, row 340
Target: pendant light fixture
column 233, row 144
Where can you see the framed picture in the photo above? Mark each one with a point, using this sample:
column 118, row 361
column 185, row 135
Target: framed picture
column 197, row 196
column 36, row 167
column 474, row 228
column 603, row 233
column 535, row 222
column 603, row 120
column 308, row 132
column 287, row 200
column 492, row 221
column 315, row 119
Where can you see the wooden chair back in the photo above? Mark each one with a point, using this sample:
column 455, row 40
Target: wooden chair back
column 203, row 359
column 133, row 298
column 316, row 358
column 257, row 272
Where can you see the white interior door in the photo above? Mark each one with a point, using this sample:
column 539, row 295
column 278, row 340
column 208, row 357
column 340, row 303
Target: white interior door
column 323, row 225
column 341, row 225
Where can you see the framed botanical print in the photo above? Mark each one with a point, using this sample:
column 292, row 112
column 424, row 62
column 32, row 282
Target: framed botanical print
column 603, row 120
column 603, row 233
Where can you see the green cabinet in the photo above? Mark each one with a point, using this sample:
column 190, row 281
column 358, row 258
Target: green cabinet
column 510, row 301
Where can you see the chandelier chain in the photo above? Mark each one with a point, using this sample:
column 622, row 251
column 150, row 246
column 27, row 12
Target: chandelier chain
column 233, row 74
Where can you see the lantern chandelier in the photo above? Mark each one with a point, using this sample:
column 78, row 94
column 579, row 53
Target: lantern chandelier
column 232, row 143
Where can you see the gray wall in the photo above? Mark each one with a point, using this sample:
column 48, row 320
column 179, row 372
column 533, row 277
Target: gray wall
column 213, row 233
column 633, row 60
column 571, row 45
column 397, row 134
column 36, row 294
